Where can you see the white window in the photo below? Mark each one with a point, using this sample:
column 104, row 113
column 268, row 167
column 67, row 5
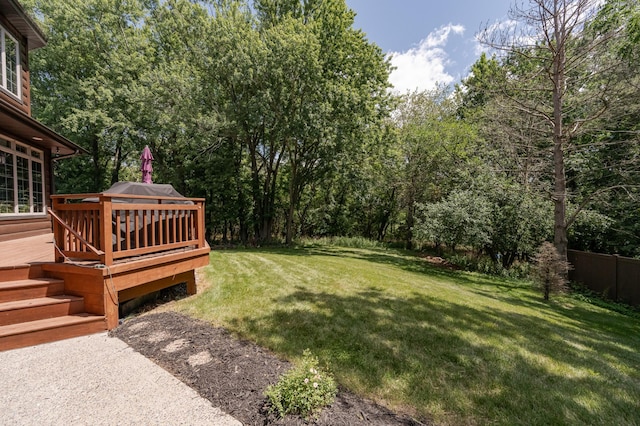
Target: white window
column 21, row 179
column 10, row 58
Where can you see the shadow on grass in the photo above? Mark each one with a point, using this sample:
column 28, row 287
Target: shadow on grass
column 424, row 352
column 462, row 363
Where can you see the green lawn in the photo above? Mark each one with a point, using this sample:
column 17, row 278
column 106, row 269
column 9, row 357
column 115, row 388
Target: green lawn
column 457, row 348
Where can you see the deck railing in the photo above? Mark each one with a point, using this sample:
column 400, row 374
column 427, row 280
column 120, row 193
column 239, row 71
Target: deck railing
column 108, row 227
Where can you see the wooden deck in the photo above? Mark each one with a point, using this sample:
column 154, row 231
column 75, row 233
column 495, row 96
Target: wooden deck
column 26, row 251
column 50, row 291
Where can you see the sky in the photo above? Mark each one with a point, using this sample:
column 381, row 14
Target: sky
column 431, row 41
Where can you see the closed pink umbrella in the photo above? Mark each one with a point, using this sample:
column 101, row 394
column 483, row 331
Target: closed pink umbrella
column 145, row 166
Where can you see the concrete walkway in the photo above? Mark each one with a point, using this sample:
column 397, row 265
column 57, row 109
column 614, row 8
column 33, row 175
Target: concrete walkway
column 96, row 380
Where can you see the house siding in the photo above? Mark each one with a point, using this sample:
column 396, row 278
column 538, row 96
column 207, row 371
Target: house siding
column 23, row 104
column 25, row 225
column 12, row 228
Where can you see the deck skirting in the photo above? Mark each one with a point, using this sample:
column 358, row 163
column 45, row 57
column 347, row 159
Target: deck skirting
column 103, row 288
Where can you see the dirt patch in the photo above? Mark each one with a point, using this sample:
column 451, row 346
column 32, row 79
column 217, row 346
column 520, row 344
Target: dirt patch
column 439, row 262
column 232, row 373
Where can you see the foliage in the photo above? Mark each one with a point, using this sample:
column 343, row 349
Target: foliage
column 277, row 112
column 248, row 107
column 462, row 218
column 520, row 221
column 303, row 390
column 475, row 91
column 502, row 219
column 549, row 270
column 485, row 265
column 85, row 82
column 315, row 88
column 434, row 148
column 584, row 294
column 562, row 77
column 353, row 242
column 590, row 231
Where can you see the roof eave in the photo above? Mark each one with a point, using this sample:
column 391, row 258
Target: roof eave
column 22, row 127
column 19, row 18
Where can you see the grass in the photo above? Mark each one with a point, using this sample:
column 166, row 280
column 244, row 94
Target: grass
column 452, row 347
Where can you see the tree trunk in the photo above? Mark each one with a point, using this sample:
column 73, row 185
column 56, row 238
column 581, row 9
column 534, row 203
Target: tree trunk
column 386, row 216
column 256, row 191
column 243, row 231
column 547, row 288
column 560, row 182
column 293, row 195
column 97, row 170
column 410, row 215
column 117, row 162
column 268, row 206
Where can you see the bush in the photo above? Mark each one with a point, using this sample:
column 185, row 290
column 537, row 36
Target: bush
column 303, row 390
column 348, row 242
column 582, row 293
column 462, row 218
column 484, row 265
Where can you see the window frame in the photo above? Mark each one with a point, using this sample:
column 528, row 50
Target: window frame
column 30, row 158
column 3, row 64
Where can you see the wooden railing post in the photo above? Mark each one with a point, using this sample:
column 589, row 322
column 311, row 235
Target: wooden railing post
column 106, row 242
column 58, row 233
column 201, row 242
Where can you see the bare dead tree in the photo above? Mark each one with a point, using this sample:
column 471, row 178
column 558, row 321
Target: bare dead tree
column 549, row 270
column 554, row 57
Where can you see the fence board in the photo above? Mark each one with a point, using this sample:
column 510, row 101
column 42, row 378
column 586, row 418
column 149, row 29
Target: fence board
column 629, row 281
column 613, row 277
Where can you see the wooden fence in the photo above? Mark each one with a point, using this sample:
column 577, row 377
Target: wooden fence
column 614, row 277
column 102, row 227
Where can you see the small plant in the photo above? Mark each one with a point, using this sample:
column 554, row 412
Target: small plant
column 549, row 270
column 303, row 390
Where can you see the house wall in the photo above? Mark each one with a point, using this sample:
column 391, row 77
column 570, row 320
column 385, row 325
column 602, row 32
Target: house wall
column 12, row 228
column 23, row 104
column 21, row 226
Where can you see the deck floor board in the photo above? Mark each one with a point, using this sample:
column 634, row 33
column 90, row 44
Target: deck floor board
column 29, row 250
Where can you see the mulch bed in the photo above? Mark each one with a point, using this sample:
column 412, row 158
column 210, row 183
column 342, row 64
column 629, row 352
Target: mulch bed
column 232, row 373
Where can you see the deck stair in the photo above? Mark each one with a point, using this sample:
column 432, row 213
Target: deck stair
column 35, row 310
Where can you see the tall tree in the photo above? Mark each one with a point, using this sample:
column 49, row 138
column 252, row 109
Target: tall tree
column 86, row 80
column 557, row 77
column 301, row 86
column 435, row 147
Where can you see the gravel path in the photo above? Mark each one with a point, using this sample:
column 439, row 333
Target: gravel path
column 96, row 380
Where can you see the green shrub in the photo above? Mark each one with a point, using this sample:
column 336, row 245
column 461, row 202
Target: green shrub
column 582, row 293
column 519, row 270
column 349, row 242
column 484, row 265
column 303, row 390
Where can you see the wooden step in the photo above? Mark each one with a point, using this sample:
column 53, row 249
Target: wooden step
column 49, row 330
column 14, row 273
column 41, row 308
column 30, row 289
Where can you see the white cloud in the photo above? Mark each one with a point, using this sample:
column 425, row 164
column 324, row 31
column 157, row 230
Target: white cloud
column 422, row 67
